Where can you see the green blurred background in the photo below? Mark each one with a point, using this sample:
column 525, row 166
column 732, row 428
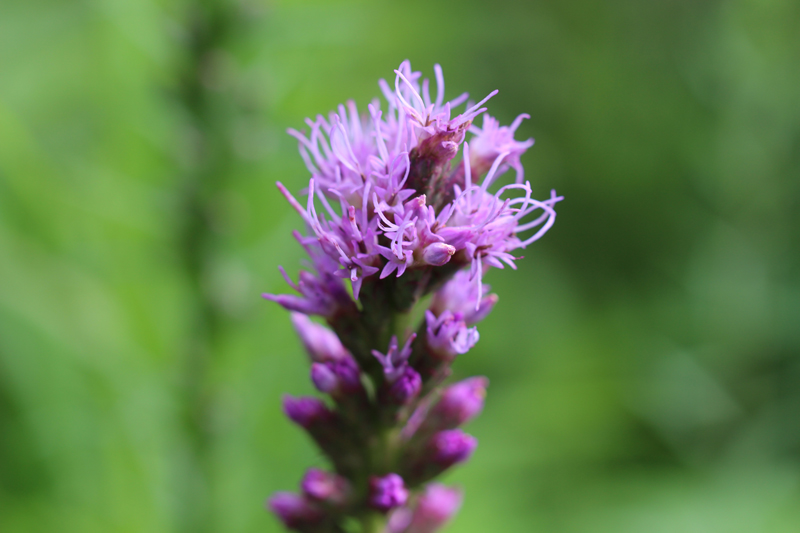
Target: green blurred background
column 644, row 359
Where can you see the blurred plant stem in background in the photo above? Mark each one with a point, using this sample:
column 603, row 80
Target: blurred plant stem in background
column 206, row 158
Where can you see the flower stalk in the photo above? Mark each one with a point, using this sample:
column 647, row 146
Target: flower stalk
column 390, row 211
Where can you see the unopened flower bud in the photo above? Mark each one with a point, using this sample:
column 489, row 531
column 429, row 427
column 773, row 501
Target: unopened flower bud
column 294, row 511
column 387, row 492
column 325, row 486
column 337, row 378
column 460, row 403
column 435, row 508
column 349, row 374
column 321, row 343
column 452, row 446
column 327, row 429
column 405, row 388
column 305, row 411
column 324, row 378
column 438, row 253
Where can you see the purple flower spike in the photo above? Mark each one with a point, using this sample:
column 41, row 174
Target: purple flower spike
column 305, row 411
column 387, row 492
column 452, row 446
column 460, row 403
column 435, row 508
column 321, row 343
column 325, row 486
column 403, row 202
column 293, row 510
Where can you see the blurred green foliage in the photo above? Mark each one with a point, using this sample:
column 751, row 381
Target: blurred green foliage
column 645, row 358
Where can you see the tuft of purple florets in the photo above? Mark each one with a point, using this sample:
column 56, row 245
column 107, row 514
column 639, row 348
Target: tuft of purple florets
column 384, row 198
column 403, row 202
column 387, row 492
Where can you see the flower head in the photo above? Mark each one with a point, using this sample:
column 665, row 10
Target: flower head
column 384, row 199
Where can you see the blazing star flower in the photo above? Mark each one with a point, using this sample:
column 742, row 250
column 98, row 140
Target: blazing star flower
column 403, row 201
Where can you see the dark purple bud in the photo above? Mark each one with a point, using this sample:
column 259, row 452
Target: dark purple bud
column 294, row 510
column 460, row 403
column 387, row 492
column 435, row 508
column 321, row 343
column 405, row 388
column 349, row 374
column 337, row 378
column 325, row 486
column 438, row 253
column 452, row 446
column 305, row 411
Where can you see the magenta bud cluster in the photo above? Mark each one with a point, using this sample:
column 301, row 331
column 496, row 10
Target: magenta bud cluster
column 405, row 201
column 387, row 492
